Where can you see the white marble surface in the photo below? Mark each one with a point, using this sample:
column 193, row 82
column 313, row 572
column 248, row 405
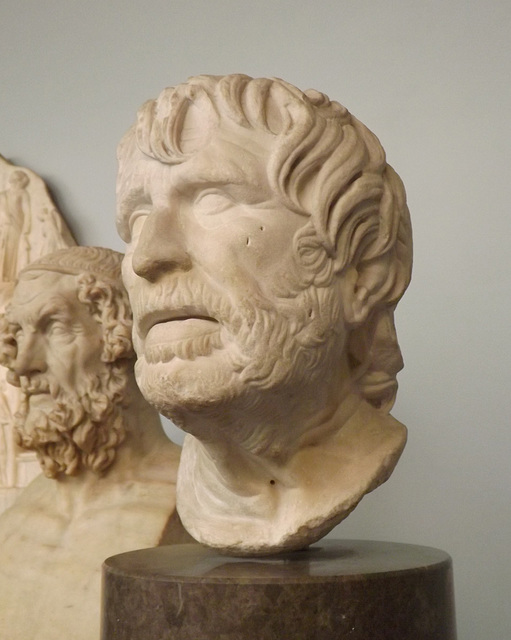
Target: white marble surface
column 109, row 471
column 30, row 227
column 432, row 80
column 268, row 242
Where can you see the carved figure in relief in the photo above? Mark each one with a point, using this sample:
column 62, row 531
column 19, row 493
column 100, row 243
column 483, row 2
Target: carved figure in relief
column 30, row 227
column 109, row 470
column 268, row 242
column 15, row 225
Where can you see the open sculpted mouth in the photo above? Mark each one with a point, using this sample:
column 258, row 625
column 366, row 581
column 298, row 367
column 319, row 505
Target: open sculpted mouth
column 180, row 336
column 38, row 394
column 34, row 386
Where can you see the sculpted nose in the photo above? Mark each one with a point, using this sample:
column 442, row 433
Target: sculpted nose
column 29, row 357
column 161, row 248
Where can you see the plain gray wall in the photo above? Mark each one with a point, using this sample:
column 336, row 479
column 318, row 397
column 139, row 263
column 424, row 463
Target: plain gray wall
column 431, row 79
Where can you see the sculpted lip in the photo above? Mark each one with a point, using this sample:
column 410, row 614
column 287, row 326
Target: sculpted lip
column 179, row 328
column 168, row 316
column 34, row 388
column 185, row 322
column 182, row 337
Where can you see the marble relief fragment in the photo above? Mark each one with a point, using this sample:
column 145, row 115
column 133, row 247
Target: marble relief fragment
column 30, row 227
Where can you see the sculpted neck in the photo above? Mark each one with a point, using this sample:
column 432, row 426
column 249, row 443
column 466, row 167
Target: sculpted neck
column 249, row 505
column 144, row 432
column 266, row 449
column 269, row 426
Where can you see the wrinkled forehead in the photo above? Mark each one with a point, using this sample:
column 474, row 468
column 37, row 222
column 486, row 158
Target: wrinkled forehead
column 174, row 133
column 35, row 289
column 177, row 124
column 184, row 118
column 216, row 154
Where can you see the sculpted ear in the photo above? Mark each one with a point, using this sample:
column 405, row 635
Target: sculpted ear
column 362, row 287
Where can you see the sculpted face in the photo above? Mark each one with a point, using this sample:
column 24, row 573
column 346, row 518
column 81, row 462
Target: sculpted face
column 268, row 242
column 57, row 340
column 68, row 414
column 213, row 276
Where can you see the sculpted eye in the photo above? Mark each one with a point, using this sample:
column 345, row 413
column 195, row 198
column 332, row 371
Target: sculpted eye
column 57, row 326
column 210, row 203
column 53, row 326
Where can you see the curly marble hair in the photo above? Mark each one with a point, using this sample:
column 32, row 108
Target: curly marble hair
column 88, row 441
column 99, row 286
column 324, row 165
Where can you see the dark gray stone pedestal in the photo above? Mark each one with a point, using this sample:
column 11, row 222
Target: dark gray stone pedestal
column 335, row 590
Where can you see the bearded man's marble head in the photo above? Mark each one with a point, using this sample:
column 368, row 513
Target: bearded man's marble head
column 267, row 238
column 268, row 242
column 66, row 341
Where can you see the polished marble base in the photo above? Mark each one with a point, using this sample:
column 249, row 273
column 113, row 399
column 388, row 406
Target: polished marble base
column 334, row 590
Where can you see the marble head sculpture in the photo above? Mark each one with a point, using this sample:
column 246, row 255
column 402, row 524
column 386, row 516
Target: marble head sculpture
column 68, row 347
column 268, row 242
column 109, row 470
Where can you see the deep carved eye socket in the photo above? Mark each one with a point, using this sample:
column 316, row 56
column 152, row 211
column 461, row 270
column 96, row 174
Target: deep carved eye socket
column 56, row 328
column 210, row 203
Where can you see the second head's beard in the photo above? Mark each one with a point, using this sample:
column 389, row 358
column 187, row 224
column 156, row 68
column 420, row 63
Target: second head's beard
column 82, row 430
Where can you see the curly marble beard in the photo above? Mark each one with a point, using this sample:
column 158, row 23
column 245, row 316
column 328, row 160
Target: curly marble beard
column 265, row 347
column 82, row 431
